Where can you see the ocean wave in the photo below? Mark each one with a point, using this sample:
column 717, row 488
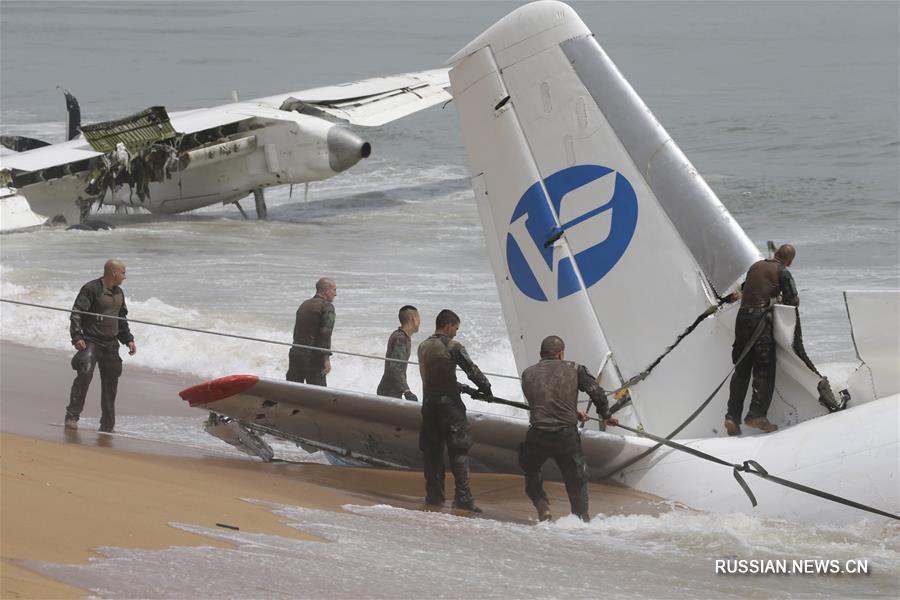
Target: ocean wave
column 210, row 356
column 382, row 551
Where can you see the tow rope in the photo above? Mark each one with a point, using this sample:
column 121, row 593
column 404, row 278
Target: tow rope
column 478, row 395
column 232, row 335
column 748, row 466
column 749, row 346
column 711, row 310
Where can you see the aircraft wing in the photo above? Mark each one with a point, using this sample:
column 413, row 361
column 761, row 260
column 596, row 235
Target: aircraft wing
column 183, row 122
column 372, row 102
column 375, row 429
column 49, row 156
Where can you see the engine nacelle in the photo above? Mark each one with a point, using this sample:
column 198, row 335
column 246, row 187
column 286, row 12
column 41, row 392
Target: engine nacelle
column 307, row 148
column 345, row 148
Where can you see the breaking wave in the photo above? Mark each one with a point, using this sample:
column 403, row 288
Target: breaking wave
column 386, row 552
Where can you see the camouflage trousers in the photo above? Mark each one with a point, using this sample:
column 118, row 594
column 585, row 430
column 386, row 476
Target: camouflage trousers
column 564, row 447
column 387, row 389
column 84, row 361
column 305, row 366
column 444, row 424
column 760, row 362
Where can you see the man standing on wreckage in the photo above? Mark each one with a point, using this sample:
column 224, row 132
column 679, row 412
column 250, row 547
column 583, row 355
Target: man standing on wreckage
column 766, row 281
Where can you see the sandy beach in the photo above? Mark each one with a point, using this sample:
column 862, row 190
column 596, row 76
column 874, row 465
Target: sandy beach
column 64, row 493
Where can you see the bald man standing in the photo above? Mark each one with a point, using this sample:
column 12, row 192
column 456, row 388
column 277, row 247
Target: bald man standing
column 551, row 389
column 96, row 339
column 313, row 327
column 768, row 281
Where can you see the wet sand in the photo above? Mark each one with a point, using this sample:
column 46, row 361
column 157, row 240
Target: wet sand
column 63, row 493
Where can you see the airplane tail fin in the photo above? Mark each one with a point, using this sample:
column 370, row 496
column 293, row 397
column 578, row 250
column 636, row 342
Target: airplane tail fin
column 598, row 227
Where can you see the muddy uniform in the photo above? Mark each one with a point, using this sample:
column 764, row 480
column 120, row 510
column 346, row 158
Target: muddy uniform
column 551, row 389
column 393, row 382
column 313, row 327
column 444, row 416
column 102, row 337
column 767, row 280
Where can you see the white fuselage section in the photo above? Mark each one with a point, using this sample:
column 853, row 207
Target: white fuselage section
column 853, row 454
column 263, row 155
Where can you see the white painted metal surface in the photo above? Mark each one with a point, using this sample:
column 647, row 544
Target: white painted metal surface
column 16, row 213
column 622, row 277
column 49, row 156
column 853, row 453
column 376, row 429
column 219, row 152
column 875, row 325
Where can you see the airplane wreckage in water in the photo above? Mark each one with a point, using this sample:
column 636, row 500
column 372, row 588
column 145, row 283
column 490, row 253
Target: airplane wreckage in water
column 589, row 208
column 171, row 163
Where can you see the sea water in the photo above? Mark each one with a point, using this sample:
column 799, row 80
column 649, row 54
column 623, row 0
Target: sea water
column 789, row 110
column 387, row 552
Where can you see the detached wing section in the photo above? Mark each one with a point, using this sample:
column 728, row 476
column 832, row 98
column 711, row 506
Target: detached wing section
column 375, row 429
column 370, row 102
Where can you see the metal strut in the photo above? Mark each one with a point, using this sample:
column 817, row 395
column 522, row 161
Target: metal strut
column 259, row 197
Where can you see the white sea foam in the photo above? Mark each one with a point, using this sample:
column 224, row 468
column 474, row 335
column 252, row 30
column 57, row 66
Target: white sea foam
column 387, row 552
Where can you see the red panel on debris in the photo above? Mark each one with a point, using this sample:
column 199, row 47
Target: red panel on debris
column 217, row 389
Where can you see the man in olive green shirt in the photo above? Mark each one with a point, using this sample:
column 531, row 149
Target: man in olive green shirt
column 393, row 381
column 551, row 388
column 97, row 340
column 313, row 327
column 444, row 422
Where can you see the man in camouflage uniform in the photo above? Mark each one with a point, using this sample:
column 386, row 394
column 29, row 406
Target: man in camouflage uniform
column 96, row 340
column 444, row 420
column 767, row 281
column 313, row 327
column 393, row 381
column 551, row 390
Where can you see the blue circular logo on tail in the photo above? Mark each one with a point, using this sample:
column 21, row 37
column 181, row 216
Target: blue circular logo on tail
column 598, row 224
